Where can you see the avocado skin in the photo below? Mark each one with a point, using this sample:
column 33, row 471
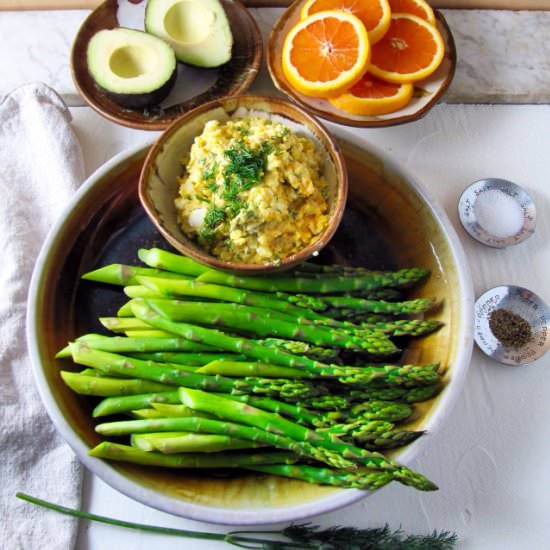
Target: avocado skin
column 142, row 100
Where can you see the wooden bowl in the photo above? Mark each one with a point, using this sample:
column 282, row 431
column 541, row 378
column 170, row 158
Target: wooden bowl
column 389, row 222
column 159, row 186
column 427, row 92
column 234, row 77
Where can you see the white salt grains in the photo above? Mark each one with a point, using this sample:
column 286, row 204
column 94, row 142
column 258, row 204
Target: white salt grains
column 498, row 213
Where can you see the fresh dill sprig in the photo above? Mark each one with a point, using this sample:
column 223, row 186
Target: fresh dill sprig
column 214, row 216
column 245, row 167
column 299, row 537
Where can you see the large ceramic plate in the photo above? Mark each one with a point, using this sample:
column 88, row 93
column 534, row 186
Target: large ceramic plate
column 389, row 222
column 194, row 86
column 426, row 94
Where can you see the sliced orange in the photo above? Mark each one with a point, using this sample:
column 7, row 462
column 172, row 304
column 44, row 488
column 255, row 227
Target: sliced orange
column 411, row 50
column 371, row 96
column 420, row 8
column 326, row 53
column 374, row 14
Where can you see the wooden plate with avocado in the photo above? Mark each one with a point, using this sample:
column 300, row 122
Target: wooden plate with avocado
column 185, row 54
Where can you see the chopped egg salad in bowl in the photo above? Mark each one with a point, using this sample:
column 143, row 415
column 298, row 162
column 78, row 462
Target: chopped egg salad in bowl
column 246, row 183
column 253, row 191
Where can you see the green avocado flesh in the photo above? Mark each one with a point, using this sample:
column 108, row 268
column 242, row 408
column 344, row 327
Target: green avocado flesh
column 135, row 69
column 198, row 30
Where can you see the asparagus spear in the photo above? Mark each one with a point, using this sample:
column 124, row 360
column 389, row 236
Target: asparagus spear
column 146, row 414
column 370, row 428
column 318, row 353
column 116, row 405
column 330, row 402
column 151, row 333
column 172, row 411
column 251, row 416
column 249, row 347
column 408, row 307
column 120, row 344
column 391, row 411
column 142, row 291
column 305, row 416
column 188, row 442
column 206, row 425
column 263, row 323
column 363, row 478
column 169, row 374
column 386, row 441
column 405, row 327
column 407, row 374
column 103, row 386
column 246, row 368
column 167, row 261
column 188, row 358
column 122, row 275
column 369, row 434
column 122, row 324
column 174, row 287
column 395, row 393
column 390, row 393
column 326, row 285
column 125, row 453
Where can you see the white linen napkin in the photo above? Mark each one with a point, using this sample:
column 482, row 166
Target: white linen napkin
column 41, row 166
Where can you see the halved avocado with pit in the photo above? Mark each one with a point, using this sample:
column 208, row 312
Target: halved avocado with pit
column 135, row 69
column 198, row 30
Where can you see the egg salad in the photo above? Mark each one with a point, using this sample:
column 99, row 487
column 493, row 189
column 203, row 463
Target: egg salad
column 252, row 191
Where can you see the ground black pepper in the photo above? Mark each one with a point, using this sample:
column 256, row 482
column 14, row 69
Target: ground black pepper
column 511, row 329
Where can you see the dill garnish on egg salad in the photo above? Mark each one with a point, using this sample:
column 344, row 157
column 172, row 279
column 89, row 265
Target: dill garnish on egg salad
column 253, row 191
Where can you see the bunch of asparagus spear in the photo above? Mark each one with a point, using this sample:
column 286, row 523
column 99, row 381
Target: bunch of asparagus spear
column 295, row 374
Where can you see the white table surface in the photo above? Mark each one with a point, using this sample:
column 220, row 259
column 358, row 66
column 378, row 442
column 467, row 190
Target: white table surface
column 489, row 460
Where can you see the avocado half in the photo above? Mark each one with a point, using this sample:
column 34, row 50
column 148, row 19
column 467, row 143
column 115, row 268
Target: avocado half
column 198, row 30
column 135, row 69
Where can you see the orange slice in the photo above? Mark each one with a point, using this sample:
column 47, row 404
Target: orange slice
column 326, row 53
column 374, row 14
column 371, row 96
column 411, row 50
column 414, row 7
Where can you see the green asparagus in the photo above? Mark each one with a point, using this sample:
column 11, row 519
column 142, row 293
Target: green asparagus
column 273, row 423
column 122, row 275
column 104, row 386
column 167, row 261
column 264, row 323
column 326, row 285
column 125, row 453
column 172, row 375
column 188, row 442
column 117, row 405
column 239, row 431
column 409, row 307
column 362, row 478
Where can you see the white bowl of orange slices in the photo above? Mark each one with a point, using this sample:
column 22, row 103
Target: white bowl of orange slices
column 362, row 62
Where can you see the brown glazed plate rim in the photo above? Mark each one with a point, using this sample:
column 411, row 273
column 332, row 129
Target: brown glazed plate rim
column 105, row 17
column 377, row 121
column 313, row 248
column 228, row 516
